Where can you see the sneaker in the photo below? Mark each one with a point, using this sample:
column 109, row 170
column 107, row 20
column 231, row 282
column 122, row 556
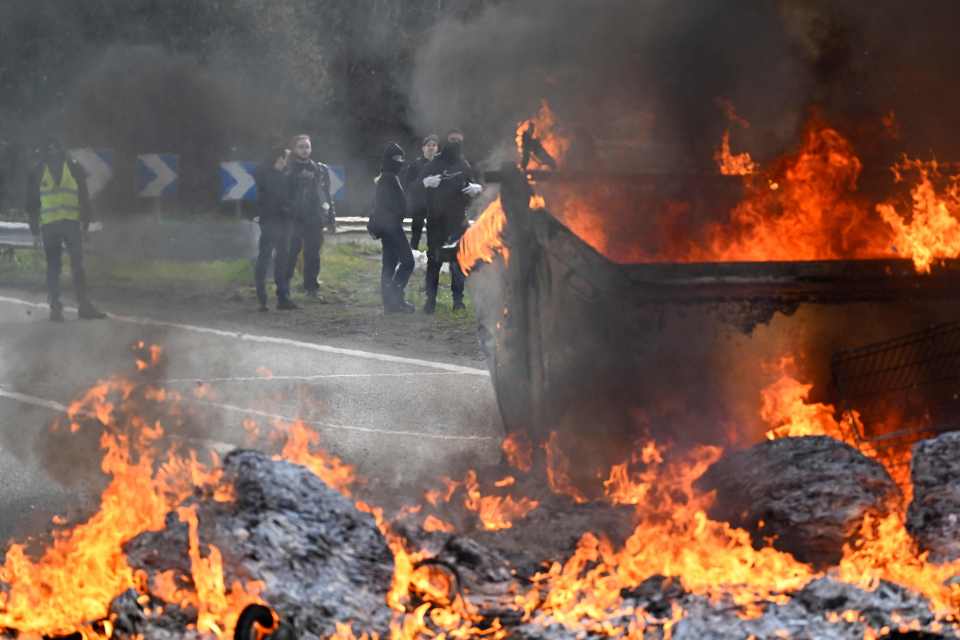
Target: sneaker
column 400, row 306
column 312, row 293
column 263, row 307
column 286, row 304
column 56, row 314
column 90, row 312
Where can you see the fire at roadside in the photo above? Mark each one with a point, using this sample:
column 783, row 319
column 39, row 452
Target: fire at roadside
column 180, row 545
column 811, row 530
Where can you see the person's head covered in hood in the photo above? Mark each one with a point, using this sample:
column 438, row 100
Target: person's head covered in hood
column 392, row 159
column 451, row 152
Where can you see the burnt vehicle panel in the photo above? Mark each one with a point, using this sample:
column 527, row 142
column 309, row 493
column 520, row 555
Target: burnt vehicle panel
column 662, row 333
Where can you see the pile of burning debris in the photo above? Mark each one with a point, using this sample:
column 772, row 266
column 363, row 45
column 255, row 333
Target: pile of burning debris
column 796, row 536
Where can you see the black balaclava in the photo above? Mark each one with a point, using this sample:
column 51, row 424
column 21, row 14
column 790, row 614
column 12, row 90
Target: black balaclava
column 387, row 163
column 451, row 152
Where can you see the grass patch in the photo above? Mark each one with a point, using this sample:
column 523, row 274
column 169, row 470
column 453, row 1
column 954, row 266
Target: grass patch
column 349, row 275
column 30, row 266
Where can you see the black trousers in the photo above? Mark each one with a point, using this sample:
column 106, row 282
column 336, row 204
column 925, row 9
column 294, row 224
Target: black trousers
column 56, row 236
column 274, row 239
column 308, row 235
column 439, row 232
column 416, row 228
column 397, row 263
column 457, row 278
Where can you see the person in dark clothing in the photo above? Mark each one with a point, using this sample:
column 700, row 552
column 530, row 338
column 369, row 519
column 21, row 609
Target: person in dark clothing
column 276, row 227
column 386, row 223
column 413, row 188
column 312, row 209
column 59, row 208
column 449, row 183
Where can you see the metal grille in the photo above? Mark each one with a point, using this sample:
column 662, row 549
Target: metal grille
column 904, row 388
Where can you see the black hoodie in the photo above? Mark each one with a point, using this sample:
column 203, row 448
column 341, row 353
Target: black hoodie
column 273, row 192
column 447, row 204
column 389, row 205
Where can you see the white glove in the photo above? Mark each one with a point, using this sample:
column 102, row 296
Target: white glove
column 473, row 189
column 431, row 182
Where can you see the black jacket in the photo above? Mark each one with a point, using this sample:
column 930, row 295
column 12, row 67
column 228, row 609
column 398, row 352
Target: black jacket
column 447, row 204
column 389, row 205
column 33, row 192
column 273, row 193
column 310, row 190
column 412, row 182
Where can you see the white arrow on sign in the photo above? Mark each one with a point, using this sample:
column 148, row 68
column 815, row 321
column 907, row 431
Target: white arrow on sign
column 164, row 175
column 336, row 180
column 244, row 181
column 99, row 172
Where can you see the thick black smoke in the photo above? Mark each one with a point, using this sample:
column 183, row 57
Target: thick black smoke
column 643, row 77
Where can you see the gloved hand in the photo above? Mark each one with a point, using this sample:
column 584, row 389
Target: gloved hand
column 472, row 189
column 431, row 182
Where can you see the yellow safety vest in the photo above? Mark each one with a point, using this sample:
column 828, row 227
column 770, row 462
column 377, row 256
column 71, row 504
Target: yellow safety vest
column 59, row 201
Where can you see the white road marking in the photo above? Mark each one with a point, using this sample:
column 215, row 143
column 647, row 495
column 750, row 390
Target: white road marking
column 62, row 408
column 216, row 445
column 33, row 400
column 287, row 342
column 327, row 426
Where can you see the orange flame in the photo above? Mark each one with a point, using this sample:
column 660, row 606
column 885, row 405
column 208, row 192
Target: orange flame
column 433, row 523
column 813, row 214
column 786, row 410
column 484, row 239
column 558, row 470
column 214, row 603
column 495, row 512
column 519, row 451
column 674, row 537
column 740, row 164
column 545, row 124
column 301, row 447
column 933, row 230
column 77, row 577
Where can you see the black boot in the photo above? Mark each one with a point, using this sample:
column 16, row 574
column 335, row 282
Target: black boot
column 388, row 298
column 458, row 305
column 286, row 304
column 89, row 312
column 400, row 305
column 430, row 306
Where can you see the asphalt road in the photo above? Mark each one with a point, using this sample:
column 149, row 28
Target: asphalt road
column 398, row 420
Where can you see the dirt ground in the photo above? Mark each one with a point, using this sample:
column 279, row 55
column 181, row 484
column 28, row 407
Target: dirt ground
column 347, row 312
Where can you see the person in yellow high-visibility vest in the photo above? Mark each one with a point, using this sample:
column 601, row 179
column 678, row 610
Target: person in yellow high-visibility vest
column 59, row 208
